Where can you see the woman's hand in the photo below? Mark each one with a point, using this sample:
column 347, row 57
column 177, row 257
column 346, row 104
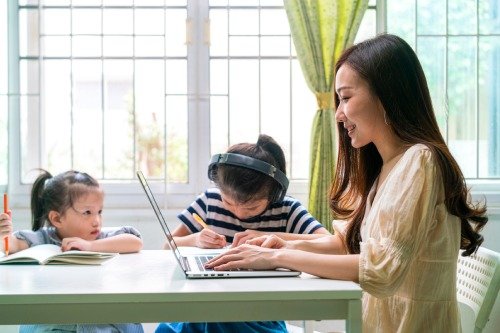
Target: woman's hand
column 244, row 256
column 269, row 241
column 209, row 239
column 245, row 236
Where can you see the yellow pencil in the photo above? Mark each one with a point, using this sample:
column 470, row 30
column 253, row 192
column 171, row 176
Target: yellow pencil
column 200, row 221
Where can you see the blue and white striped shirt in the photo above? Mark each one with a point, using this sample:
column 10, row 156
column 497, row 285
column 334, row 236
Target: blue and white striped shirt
column 287, row 216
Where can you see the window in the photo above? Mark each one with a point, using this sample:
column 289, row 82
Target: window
column 256, row 84
column 4, row 134
column 110, row 86
column 103, row 88
column 458, row 43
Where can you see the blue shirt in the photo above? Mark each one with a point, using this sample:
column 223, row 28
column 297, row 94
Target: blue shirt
column 243, row 327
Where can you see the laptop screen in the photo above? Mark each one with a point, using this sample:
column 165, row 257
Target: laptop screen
column 162, row 221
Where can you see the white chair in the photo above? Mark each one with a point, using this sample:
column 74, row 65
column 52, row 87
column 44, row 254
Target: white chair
column 478, row 282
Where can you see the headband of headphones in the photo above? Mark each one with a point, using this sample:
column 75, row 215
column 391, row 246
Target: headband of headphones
column 249, row 163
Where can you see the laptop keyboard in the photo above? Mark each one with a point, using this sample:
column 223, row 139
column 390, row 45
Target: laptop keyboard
column 202, row 260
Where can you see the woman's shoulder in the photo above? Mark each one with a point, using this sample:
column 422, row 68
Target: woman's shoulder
column 419, row 152
column 417, row 159
column 417, row 148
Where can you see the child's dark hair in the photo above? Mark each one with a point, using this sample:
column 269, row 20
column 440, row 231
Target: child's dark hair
column 244, row 184
column 57, row 193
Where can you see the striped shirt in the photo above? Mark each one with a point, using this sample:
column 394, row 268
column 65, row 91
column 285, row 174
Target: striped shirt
column 288, row 216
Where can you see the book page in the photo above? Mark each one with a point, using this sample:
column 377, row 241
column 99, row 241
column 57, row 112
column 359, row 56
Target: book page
column 35, row 254
column 52, row 254
column 81, row 257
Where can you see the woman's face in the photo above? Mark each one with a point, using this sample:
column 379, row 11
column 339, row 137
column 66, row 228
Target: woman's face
column 359, row 110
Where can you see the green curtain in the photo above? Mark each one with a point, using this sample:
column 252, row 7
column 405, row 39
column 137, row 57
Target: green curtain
column 321, row 30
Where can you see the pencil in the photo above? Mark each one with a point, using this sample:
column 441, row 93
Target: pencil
column 199, row 220
column 6, row 210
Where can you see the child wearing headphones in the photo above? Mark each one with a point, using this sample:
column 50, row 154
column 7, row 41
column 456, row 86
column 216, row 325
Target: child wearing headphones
column 249, row 201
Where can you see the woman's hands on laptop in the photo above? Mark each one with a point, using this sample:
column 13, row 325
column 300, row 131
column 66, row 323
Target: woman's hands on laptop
column 244, row 256
column 256, row 253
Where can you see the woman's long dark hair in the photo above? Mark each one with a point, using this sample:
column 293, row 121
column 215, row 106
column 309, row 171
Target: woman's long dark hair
column 395, row 76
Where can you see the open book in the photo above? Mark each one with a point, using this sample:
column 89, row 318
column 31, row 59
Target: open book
column 51, row 254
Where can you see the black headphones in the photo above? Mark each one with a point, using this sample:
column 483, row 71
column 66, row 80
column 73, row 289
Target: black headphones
column 253, row 164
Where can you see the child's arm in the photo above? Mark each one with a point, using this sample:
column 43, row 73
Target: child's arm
column 122, row 243
column 206, row 238
column 15, row 244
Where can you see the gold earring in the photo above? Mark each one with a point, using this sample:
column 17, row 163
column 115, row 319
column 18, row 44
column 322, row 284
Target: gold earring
column 385, row 119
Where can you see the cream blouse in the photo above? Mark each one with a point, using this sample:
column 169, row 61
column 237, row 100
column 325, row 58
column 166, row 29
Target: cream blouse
column 409, row 251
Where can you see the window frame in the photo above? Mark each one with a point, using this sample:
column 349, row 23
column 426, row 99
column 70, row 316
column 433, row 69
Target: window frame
column 481, row 189
column 171, row 195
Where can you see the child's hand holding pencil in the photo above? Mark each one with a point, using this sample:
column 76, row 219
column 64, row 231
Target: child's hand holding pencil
column 5, row 224
column 208, row 238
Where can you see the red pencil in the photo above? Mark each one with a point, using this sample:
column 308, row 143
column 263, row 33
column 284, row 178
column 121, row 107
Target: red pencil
column 6, row 210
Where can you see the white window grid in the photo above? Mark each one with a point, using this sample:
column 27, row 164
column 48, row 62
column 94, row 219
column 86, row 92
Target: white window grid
column 198, row 127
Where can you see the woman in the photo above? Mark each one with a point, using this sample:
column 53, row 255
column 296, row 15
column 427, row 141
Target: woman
column 399, row 189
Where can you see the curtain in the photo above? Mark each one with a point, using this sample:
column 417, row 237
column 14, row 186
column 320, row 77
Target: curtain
column 321, row 30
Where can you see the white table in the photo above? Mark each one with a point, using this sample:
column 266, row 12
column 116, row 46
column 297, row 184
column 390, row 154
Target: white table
column 150, row 287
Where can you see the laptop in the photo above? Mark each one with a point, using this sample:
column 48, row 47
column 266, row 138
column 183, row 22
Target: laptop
column 192, row 263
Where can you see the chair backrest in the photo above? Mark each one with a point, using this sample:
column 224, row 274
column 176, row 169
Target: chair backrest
column 478, row 282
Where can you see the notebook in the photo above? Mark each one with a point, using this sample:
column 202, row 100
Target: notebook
column 192, row 264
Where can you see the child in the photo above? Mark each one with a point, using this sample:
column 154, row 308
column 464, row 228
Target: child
column 66, row 211
column 249, row 201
